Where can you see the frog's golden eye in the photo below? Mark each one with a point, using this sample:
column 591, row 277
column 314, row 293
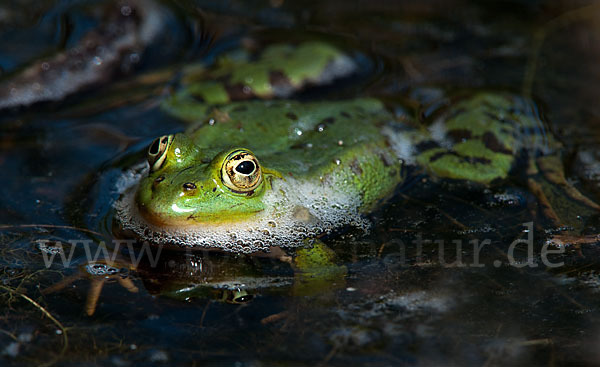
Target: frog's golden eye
column 241, row 171
column 157, row 152
column 237, row 296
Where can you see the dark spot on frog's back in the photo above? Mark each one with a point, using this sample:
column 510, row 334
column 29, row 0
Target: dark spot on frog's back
column 499, row 119
column 470, row 160
column 345, row 114
column 198, row 98
column 237, row 92
column 427, row 145
column 328, row 120
column 452, row 114
column 492, row 143
column 291, row 116
column 459, row 134
column 240, row 109
column 279, row 80
column 301, row 145
column 355, row 167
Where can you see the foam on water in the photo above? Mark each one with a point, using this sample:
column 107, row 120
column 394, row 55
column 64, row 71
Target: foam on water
column 296, row 210
column 402, row 144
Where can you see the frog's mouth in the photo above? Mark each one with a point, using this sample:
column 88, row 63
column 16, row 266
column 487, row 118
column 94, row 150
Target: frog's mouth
column 295, row 211
column 193, row 217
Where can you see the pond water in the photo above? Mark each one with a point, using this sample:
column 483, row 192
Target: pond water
column 435, row 281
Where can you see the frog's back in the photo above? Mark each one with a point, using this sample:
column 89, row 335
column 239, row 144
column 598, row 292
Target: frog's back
column 337, row 144
column 324, row 165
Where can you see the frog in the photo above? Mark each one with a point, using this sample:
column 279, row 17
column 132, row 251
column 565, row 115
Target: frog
column 259, row 170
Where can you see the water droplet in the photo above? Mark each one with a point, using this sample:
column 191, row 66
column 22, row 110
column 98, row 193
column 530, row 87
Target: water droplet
column 45, row 66
column 298, row 131
column 97, row 61
column 211, row 122
column 320, row 128
column 340, row 142
column 337, row 162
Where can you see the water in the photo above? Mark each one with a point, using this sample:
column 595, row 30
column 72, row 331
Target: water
column 430, row 284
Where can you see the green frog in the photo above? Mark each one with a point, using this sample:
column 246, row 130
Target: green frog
column 257, row 170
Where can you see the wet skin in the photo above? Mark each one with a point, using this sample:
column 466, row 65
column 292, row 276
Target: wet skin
column 261, row 170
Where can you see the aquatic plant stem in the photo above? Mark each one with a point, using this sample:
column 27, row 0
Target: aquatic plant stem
column 10, row 226
column 52, row 318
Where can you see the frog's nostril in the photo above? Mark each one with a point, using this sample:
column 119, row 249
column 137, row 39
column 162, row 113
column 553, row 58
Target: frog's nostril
column 189, row 186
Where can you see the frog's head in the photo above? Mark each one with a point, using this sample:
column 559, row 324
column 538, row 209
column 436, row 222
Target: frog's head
column 189, row 185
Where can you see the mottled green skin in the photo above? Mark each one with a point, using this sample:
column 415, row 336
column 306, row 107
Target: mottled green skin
column 354, row 146
column 349, row 152
column 484, row 132
column 235, row 77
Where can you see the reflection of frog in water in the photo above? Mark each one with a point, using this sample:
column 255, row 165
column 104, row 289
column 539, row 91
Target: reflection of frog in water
column 183, row 276
column 252, row 174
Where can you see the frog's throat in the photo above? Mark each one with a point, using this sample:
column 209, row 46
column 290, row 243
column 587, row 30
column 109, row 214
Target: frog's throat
column 295, row 210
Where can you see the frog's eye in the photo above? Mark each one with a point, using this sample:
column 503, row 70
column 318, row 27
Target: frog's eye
column 241, row 171
column 240, row 298
column 157, row 152
column 237, row 296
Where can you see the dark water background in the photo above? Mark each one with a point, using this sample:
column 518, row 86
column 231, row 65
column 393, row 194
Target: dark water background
column 397, row 305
